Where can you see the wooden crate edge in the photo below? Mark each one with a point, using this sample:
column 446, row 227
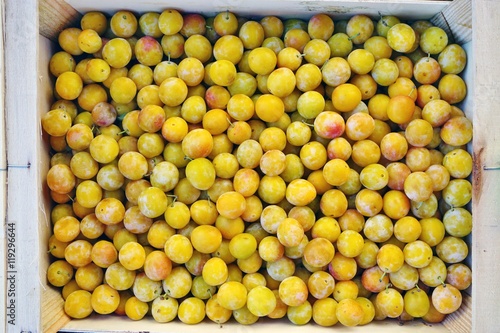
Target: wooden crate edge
column 3, row 162
column 54, row 16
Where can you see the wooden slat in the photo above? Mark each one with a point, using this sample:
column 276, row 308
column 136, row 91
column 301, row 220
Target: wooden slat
column 23, row 138
column 3, row 163
column 486, row 189
column 456, row 19
column 55, row 15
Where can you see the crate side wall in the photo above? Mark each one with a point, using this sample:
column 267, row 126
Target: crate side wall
column 486, row 189
column 23, row 133
column 3, row 166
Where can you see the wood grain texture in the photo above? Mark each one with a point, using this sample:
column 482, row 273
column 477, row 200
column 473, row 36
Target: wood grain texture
column 23, row 132
column 54, row 16
column 456, row 20
column 486, row 186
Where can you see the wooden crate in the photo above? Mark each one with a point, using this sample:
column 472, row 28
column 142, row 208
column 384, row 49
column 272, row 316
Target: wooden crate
column 28, row 29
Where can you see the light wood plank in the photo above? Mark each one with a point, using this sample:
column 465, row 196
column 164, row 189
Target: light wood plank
column 23, row 139
column 54, row 16
column 486, row 190
column 3, row 164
